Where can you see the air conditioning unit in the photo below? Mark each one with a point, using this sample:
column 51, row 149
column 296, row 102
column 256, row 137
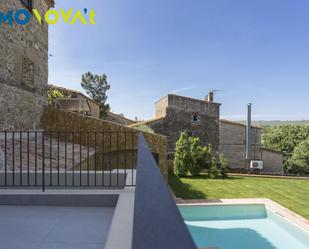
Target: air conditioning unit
column 255, row 164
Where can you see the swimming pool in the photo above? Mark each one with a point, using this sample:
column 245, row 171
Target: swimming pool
column 242, row 227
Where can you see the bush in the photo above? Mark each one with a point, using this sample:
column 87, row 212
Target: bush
column 53, row 94
column 213, row 170
column 299, row 162
column 223, row 165
column 285, row 138
column 145, row 128
column 198, row 154
column 182, row 158
column 191, row 157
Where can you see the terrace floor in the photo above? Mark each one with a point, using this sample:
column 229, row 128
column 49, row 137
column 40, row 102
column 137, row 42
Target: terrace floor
column 54, row 227
column 27, row 151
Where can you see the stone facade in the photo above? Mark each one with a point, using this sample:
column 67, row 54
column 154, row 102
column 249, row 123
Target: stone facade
column 23, row 69
column 201, row 118
column 273, row 161
column 76, row 101
column 64, row 121
column 175, row 114
column 232, row 145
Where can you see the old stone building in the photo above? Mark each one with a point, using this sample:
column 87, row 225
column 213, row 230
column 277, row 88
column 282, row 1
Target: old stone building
column 232, row 145
column 76, row 101
column 201, row 118
column 23, row 67
column 175, row 114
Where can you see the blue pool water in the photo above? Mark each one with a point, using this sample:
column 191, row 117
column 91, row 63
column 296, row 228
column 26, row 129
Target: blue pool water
column 242, row 227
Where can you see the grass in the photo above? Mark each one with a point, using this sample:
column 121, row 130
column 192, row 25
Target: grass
column 291, row 193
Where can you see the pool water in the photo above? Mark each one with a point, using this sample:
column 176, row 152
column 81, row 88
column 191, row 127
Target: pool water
column 242, row 227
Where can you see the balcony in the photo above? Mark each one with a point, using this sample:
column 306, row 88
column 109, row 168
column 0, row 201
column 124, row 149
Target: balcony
column 85, row 190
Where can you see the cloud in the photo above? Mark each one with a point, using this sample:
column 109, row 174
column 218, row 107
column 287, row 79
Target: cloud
column 183, row 89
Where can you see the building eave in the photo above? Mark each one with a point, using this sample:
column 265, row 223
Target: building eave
column 238, row 123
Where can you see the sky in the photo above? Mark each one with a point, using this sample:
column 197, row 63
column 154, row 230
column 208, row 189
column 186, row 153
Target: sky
column 252, row 51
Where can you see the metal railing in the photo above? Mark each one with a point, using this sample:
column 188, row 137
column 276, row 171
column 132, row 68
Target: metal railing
column 42, row 159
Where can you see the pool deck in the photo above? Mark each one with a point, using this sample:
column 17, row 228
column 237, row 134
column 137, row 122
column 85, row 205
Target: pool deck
column 273, row 206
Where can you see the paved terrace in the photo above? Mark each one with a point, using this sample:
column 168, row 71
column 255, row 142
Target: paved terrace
column 28, row 153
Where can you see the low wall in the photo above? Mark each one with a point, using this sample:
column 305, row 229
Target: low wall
column 273, row 161
column 64, row 121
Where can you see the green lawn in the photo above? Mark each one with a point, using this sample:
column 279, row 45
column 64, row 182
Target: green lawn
column 291, row 193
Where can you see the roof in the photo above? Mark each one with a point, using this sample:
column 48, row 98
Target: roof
column 185, row 97
column 273, row 151
column 121, row 116
column 238, row 123
column 50, row 3
column 146, row 121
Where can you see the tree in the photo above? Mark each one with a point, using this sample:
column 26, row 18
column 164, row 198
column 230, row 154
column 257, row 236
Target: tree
column 299, row 162
column 285, row 138
column 183, row 158
column 223, row 165
column 96, row 87
column 190, row 156
column 213, row 170
column 196, row 152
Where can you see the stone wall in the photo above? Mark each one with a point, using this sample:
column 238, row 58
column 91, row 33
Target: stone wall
column 232, row 143
column 64, row 121
column 23, row 69
column 19, row 109
column 161, row 106
column 273, row 161
column 177, row 121
column 175, row 114
column 187, row 104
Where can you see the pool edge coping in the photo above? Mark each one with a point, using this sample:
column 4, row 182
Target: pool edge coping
column 284, row 212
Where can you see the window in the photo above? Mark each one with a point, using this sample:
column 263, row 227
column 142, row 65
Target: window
column 194, row 118
column 27, row 4
column 28, row 74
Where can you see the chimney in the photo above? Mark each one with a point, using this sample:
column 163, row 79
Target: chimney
column 210, row 97
column 248, row 132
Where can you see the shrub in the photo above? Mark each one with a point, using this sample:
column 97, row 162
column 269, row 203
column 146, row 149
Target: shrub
column 182, row 158
column 299, row 162
column 191, row 157
column 285, row 138
column 213, row 170
column 197, row 154
column 223, row 165
column 143, row 127
column 52, row 94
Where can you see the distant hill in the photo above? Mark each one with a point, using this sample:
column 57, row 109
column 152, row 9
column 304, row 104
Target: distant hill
column 265, row 123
